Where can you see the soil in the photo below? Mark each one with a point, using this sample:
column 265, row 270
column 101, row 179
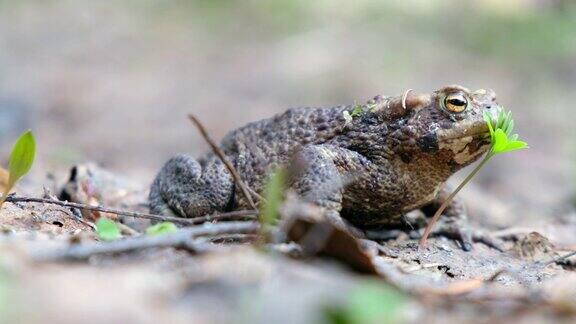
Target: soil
column 282, row 283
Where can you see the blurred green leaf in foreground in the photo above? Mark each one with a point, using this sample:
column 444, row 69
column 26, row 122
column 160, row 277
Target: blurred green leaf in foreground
column 273, row 194
column 107, row 230
column 161, row 228
column 370, row 303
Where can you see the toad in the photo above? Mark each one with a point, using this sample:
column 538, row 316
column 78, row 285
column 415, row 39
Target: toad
column 365, row 165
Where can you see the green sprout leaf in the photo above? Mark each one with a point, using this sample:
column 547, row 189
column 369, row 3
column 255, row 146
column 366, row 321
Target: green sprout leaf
column 107, row 230
column 273, row 194
column 21, row 160
column 502, row 140
column 161, row 228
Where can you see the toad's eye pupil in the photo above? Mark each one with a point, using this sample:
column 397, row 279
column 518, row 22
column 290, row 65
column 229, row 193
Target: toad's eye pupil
column 457, row 102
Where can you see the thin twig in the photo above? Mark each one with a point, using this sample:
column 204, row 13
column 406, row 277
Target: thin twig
column 232, row 215
column 560, row 258
column 243, row 187
column 239, row 214
column 233, row 238
column 185, row 238
column 255, row 194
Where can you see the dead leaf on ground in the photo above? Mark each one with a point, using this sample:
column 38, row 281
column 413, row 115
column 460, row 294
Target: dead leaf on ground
column 305, row 224
column 4, row 175
column 534, row 246
column 459, row 288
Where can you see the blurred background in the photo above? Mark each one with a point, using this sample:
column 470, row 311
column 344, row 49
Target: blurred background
column 112, row 81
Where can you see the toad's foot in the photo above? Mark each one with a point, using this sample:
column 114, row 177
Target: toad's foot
column 459, row 231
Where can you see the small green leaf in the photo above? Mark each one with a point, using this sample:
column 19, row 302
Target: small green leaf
column 22, row 157
column 488, row 120
column 515, row 145
column 500, row 141
column 510, row 127
column 501, row 119
column 21, row 160
column 369, row 303
column 107, row 230
column 161, row 228
column 357, row 111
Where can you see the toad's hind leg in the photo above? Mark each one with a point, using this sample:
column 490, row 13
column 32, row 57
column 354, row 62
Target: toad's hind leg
column 187, row 188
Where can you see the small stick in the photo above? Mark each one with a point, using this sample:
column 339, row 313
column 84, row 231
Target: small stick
column 233, row 238
column 187, row 221
column 255, row 194
column 560, row 258
column 232, row 215
column 243, row 187
column 184, row 238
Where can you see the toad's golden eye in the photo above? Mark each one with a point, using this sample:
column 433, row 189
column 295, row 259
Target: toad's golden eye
column 456, row 102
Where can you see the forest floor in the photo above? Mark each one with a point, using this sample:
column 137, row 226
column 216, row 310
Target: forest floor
column 112, row 82
column 55, row 270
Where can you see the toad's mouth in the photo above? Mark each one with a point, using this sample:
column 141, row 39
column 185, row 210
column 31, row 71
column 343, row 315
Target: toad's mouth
column 476, row 128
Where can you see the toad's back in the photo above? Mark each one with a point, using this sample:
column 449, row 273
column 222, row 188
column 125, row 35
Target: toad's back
column 259, row 146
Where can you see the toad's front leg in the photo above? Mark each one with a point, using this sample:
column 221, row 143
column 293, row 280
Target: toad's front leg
column 323, row 174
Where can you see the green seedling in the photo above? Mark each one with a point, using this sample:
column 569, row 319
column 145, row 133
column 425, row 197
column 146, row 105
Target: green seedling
column 107, row 230
column 21, row 160
column 370, row 303
column 502, row 140
column 273, row 196
column 161, row 228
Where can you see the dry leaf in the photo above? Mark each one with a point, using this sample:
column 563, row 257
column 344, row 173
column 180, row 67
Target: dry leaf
column 534, row 246
column 460, row 287
column 4, row 175
column 304, row 224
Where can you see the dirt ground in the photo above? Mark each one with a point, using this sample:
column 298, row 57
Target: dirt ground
column 52, row 271
column 107, row 86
